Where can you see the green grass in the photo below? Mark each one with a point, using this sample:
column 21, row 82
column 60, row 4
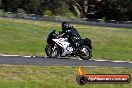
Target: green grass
column 53, row 77
column 26, row 37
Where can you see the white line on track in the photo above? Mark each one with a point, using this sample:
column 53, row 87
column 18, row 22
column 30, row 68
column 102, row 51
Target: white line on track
column 100, row 60
column 80, row 59
column 9, row 55
column 26, row 56
column 119, row 61
column 13, row 55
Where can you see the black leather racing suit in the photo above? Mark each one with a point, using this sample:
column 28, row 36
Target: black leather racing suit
column 73, row 36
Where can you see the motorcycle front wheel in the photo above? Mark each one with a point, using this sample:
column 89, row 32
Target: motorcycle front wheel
column 52, row 51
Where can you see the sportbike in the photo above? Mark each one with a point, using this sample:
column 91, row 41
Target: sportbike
column 57, row 46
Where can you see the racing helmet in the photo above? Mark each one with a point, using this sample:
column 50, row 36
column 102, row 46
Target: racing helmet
column 65, row 26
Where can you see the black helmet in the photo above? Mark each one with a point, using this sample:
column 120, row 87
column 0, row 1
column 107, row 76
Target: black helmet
column 65, row 26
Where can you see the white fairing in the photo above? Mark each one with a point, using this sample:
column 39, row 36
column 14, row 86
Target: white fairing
column 63, row 42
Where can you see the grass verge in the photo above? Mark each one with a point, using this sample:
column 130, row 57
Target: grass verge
column 53, row 77
column 26, row 37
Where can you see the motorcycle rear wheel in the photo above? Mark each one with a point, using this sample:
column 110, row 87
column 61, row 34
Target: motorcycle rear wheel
column 88, row 55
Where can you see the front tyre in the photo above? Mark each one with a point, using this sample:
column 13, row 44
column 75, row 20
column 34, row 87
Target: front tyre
column 52, row 51
column 88, row 53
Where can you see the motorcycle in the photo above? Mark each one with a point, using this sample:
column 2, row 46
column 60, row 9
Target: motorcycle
column 59, row 46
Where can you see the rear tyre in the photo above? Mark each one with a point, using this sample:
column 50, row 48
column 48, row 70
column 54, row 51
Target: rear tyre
column 88, row 55
column 52, row 51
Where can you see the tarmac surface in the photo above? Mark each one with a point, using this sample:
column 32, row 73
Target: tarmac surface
column 43, row 61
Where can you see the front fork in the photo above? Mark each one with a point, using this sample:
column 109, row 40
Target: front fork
column 54, row 46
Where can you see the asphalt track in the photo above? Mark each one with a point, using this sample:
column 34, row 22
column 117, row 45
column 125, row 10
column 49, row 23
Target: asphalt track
column 41, row 61
column 102, row 24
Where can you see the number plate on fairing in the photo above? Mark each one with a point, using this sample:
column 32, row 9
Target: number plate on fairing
column 69, row 48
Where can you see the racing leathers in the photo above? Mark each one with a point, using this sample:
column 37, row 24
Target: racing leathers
column 73, row 36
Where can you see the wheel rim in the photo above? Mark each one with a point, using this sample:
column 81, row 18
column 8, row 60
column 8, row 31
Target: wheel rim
column 48, row 50
column 54, row 52
column 85, row 50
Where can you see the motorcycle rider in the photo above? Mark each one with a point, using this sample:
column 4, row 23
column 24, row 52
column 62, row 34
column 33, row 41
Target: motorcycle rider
column 72, row 34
